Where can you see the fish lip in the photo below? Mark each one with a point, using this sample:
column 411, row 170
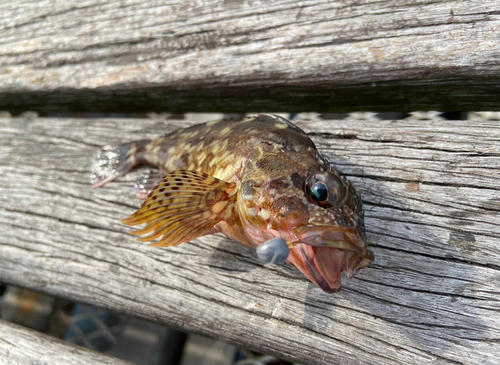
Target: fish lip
column 329, row 251
column 342, row 238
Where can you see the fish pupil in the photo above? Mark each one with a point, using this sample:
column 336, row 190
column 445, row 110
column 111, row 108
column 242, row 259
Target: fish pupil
column 319, row 192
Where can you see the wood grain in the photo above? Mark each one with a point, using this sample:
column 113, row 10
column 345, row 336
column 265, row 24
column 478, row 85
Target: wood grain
column 431, row 194
column 245, row 55
column 19, row 345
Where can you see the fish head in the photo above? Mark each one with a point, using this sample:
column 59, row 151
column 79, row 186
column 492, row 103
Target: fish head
column 334, row 240
column 314, row 209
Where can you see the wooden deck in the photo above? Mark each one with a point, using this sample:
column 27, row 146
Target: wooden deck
column 431, row 193
column 241, row 56
column 431, row 187
column 19, row 345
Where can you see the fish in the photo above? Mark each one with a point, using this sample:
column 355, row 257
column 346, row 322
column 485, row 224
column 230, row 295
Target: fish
column 253, row 179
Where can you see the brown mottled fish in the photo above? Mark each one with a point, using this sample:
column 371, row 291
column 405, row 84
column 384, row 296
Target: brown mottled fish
column 253, row 180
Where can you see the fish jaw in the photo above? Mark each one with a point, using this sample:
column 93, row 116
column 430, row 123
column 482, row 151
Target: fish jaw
column 323, row 270
column 323, row 253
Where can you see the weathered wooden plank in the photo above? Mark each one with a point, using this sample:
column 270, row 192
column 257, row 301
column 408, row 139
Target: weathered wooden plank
column 237, row 56
column 19, row 345
column 431, row 193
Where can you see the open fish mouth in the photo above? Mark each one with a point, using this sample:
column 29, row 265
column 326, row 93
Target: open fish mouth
column 323, row 253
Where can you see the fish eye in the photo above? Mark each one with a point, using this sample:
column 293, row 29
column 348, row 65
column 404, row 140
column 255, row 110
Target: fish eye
column 319, row 192
column 326, row 189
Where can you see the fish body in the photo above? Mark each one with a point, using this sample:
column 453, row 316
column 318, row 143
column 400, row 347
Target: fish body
column 253, row 180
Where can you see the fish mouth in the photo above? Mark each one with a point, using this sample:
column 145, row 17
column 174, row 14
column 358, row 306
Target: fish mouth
column 322, row 253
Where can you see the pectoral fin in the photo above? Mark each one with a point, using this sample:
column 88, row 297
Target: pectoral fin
column 183, row 206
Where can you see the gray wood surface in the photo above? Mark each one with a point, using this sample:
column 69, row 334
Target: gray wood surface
column 249, row 55
column 431, row 193
column 19, row 345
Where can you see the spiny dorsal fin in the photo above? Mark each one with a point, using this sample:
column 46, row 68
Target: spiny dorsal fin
column 183, row 206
